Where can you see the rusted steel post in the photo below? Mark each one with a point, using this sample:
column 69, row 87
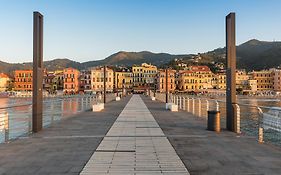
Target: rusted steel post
column 231, row 119
column 37, row 77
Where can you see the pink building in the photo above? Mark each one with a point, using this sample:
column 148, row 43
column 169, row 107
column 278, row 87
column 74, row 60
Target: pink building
column 71, row 81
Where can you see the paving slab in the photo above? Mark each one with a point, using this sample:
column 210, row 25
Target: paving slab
column 206, row 152
column 135, row 144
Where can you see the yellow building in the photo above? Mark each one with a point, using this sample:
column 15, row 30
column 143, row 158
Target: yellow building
column 242, row 79
column 219, row 81
column 161, row 80
column 144, row 75
column 123, row 80
column 264, row 79
column 4, row 82
column 97, row 76
column 197, row 78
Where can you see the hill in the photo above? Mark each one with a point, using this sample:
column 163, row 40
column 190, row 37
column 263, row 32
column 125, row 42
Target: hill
column 252, row 55
column 121, row 58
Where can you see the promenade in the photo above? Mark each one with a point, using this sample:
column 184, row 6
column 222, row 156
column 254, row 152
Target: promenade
column 137, row 136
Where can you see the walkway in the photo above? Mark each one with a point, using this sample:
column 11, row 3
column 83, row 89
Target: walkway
column 208, row 153
column 63, row 148
column 135, row 144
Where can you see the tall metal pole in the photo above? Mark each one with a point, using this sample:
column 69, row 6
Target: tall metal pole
column 167, row 86
column 231, row 121
column 37, row 77
column 104, row 84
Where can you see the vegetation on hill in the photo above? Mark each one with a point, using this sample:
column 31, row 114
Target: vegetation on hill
column 251, row 55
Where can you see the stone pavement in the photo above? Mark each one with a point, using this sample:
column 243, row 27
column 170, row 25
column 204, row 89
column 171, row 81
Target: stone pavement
column 134, row 145
column 206, row 152
column 63, row 148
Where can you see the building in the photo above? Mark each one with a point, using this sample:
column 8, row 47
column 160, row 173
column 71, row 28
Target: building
column 196, row 78
column 58, row 80
column 144, row 75
column 48, row 81
column 85, row 81
column 264, row 79
column 123, row 79
column 5, row 81
column 71, row 81
column 23, row 80
column 97, row 75
column 241, row 79
column 161, row 80
column 219, row 81
column 276, row 73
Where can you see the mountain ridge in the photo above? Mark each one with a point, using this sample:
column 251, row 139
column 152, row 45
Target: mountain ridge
column 251, row 55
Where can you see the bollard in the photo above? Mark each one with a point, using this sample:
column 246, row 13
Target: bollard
column 213, row 121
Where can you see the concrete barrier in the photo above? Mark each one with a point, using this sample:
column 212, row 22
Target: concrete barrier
column 98, row 107
column 172, row 107
column 117, row 98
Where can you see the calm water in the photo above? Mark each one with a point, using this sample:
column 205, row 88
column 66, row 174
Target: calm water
column 250, row 116
column 54, row 109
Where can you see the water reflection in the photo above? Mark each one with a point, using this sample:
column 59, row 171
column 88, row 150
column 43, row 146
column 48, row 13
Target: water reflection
column 20, row 116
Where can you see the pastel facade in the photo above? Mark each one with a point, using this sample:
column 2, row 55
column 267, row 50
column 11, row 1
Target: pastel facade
column 23, row 80
column 123, row 80
column 71, row 81
column 161, row 80
column 276, row 73
column 144, row 75
column 197, row 78
column 264, row 79
column 85, row 81
column 5, row 81
column 97, row 83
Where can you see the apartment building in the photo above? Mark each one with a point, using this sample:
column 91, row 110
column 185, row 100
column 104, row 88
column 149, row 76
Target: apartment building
column 161, row 80
column 196, row 78
column 5, row 81
column 71, row 81
column 23, row 80
column 97, row 82
column 144, row 75
column 264, row 79
column 123, row 79
column 85, row 81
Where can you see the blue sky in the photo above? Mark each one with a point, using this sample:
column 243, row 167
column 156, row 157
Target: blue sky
column 84, row 30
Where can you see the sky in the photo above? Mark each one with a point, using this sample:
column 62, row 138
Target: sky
column 86, row 30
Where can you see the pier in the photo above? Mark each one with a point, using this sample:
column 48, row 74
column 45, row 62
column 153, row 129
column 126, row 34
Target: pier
column 137, row 136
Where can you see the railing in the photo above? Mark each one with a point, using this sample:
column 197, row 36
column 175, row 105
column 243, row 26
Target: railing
column 251, row 119
column 16, row 120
